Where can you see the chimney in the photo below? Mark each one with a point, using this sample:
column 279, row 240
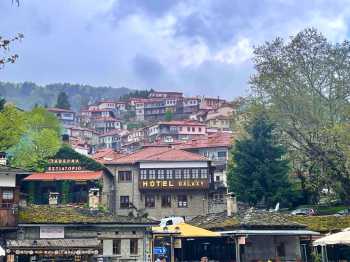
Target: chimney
column 231, row 204
column 94, row 198
column 53, row 198
column 3, row 159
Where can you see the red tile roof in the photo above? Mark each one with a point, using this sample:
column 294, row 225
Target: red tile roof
column 218, row 139
column 112, row 132
column 159, row 154
column 69, row 175
column 106, row 155
column 55, row 109
column 181, row 123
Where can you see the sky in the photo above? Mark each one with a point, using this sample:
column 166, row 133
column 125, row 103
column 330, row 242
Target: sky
column 199, row 47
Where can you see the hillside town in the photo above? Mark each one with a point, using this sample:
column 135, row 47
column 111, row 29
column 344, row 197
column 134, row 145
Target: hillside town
column 144, row 180
column 174, row 131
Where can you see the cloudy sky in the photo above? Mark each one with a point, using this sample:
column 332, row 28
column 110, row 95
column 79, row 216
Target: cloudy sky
column 200, row 47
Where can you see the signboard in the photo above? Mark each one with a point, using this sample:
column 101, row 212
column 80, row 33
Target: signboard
column 159, row 250
column 174, row 184
column 63, row 165
column 51, row 232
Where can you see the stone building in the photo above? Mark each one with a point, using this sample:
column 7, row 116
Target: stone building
column 73, row 233
column 160, row 182
column 258, row 235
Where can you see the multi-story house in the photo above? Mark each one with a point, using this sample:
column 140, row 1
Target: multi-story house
column 9, row 199
column 110, row 139
column 176, row 130
column 161, row 94
column 220, row 118
column 211, row 103
column 161, row 181
column 105, row 124
column 121, row 106
column 215, row 147
column 190, row 105
column 87, row 135
column 9, row 195
column 107, row 104
column 154, row 109
column 139, row 109
column 65, row 116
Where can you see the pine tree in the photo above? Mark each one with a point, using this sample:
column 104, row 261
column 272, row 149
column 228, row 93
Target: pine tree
column 62, row 101
column 258, row 173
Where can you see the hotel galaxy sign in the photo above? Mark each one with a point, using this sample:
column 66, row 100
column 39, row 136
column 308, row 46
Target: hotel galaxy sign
column 173, row 184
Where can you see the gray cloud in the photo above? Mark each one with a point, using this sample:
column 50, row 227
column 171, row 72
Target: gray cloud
column 147, row 69
column 195, row 46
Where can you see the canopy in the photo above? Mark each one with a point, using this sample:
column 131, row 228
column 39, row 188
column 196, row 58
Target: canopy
column 185, row 230
column 2, row 252
column 342, row 238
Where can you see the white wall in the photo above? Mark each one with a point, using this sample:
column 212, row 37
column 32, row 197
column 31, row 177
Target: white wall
column 7, row 180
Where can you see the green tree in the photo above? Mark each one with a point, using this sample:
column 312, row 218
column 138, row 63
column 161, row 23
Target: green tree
column 304, row 85
column 39, row 140
column 12, row 127
column 63, row 101
column 168, row 115
column 258, row 174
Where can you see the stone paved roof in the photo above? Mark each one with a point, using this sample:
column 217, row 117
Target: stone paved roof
column 45, row 214
column 12, row 170
column 248, row 219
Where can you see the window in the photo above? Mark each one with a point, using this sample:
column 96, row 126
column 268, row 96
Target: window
column 222, row 154
column 124, row 202
column 195, row 173
column 134, row 246
column 187, row 174
column 188, row 129
column 182, row 201
column 200, row 129
column 169, row 174
column 204, row 173
column 177, row 173
column 116, row 246
column 150, row 201
column 180, row 128
column 166, row 201
column 124, row 176
column 152, row 174
column 143, row 174
column 7, row 196
column 193, row 129
column 160, row 174
column 217, row 178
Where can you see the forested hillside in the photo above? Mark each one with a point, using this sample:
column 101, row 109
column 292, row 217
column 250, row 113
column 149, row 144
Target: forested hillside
column 26, row 95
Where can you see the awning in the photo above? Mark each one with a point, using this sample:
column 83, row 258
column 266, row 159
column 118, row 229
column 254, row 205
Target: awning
column 54, row 247
column 341, row 238
column 53, row 243
column 76, row 176
column 2, row 252
column 184, row 230
column 270, row 232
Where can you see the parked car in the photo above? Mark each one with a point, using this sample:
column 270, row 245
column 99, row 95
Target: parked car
column 344, row 212
column 303, row 212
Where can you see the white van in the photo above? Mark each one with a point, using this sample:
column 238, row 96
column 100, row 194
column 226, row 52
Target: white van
column 169, row 221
